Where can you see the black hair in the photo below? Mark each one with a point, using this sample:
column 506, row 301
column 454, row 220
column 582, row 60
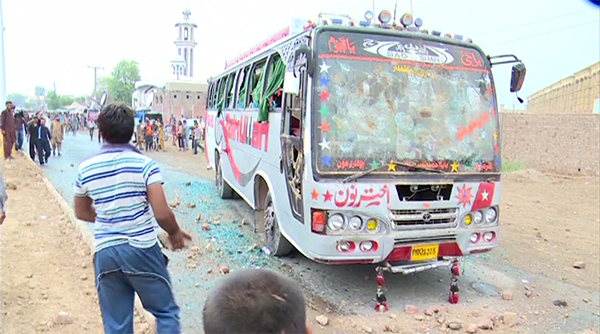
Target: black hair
column 7, row 103
column 255, row 301
column 115, row 123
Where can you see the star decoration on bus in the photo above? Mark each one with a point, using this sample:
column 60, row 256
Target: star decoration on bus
column 496, row 149
column 324, row 111
column 495, row 136
column 324, row 127
column 375, row 164
column 494, row 112
column 324, row 95
column 324, row 81
column 326, row 160
column 327, row 196
column 454, row 167
column 315, row 195
column 485, row 195
column 324, row 144
column 497, row 161
column 392, row 166
column 464, row 196
column 324, row 67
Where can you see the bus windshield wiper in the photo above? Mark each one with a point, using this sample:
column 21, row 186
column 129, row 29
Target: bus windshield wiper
column 409, row 168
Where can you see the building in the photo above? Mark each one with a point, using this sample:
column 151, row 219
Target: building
column 181, row 99
column 576, row 94
column 181, row 96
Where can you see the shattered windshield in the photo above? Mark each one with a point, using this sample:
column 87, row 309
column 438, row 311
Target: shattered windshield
column 381, row 98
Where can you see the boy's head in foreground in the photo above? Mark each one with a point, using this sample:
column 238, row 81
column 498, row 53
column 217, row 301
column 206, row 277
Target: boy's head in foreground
column 116, row 122
column 255, row 301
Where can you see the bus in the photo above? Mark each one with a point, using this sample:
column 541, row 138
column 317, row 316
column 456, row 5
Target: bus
column 369, row 143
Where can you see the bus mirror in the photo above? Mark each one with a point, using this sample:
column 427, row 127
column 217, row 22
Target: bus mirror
column 103, row 99
column 517, row 77
column 291, row 83
column 301, row 58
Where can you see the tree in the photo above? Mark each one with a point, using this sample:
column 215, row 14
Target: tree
column 55, row 101
column 52, row 100
column 121, row 84
column 39, row 91
column 17, row 99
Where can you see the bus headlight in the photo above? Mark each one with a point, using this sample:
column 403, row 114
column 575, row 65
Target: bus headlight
column 335, row 222
column 490, row 215
column 355, row 223
column 477, row 217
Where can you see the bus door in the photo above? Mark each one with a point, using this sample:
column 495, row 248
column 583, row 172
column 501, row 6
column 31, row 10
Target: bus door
column 292, row 160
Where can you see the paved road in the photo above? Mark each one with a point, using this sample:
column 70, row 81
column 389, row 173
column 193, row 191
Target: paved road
column 346, row 289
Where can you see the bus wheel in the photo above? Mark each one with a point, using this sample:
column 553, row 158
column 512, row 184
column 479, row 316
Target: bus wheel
column 276, row 243
column 225, row 190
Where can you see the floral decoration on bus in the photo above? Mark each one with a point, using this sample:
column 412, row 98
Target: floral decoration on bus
column 395, row 100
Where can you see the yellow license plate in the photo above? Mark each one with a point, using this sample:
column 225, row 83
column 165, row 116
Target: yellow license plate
column 425, row 252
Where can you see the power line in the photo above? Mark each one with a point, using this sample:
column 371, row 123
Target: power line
column 544, row 33
column 532, row 23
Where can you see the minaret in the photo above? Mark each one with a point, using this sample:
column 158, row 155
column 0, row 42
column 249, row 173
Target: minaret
column 185, row 43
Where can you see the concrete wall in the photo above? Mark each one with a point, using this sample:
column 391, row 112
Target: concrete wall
column 575, row 94
column 557, row 143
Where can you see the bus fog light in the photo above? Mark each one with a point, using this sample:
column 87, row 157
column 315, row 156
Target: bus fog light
column 345, row 246
column 474, row 238
column 366, row 246
column 489, row 236
column 336, row 222
column 490, row 215
column 373, row 225
column 355, row 223
column 477, row 217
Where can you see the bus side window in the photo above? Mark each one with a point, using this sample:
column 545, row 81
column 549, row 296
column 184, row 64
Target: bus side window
column 230, row 91
column 255, row 86
column 276, row 72
column 242, row 86
column 293, row 109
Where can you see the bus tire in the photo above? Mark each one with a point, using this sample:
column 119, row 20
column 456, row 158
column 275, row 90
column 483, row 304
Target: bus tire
column 275, row 242
column 225, row 191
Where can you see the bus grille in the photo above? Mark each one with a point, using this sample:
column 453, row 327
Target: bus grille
column 425, row 219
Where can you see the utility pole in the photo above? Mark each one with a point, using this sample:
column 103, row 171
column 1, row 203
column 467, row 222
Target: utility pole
column 2, row 64
column 95, row 68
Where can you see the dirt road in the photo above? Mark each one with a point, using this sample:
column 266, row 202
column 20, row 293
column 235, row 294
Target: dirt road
column 46, row 267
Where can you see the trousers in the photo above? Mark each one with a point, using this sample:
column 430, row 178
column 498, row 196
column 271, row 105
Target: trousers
column 124, row 270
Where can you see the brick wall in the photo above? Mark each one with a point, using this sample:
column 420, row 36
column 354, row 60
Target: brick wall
column 557, row 143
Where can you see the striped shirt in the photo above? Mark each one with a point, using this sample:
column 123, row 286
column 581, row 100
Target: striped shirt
column 116, row 180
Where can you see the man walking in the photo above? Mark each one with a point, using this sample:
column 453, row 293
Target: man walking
column 32, row 135
column 120, row 190
column 43, row 141
column 186, row 136
column 92, row 127
column 57, row 129
column 7, row 124
column 20, row 127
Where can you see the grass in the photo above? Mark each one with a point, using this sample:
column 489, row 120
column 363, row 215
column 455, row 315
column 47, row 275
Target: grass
column 512, row 166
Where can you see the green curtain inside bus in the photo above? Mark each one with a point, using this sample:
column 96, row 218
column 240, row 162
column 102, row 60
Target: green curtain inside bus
column 276, row 76
column 258, row 89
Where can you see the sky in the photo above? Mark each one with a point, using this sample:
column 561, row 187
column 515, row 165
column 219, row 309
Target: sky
column 52, row 43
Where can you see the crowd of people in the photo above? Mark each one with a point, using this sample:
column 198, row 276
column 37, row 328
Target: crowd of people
column 43, row 141
column 151, row 135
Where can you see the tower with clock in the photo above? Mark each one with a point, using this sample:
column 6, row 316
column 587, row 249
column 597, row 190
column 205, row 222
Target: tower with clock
column 185, row 44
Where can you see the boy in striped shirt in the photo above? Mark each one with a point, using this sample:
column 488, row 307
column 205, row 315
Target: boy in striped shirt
column 120, row 190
